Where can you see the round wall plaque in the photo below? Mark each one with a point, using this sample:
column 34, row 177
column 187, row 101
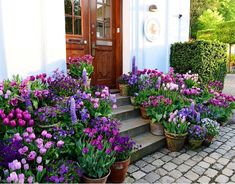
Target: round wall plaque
column 152, row 29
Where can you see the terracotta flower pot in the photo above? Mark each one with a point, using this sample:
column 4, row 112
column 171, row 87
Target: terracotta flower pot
column 92, row 180
column 118, row 171
column 123, row 89
column 175, row 142
column 143, row 113
column 156, row 128
column 194, row 144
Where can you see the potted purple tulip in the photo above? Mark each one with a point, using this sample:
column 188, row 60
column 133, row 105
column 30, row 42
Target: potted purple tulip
column 124, row 147
column 123, row 84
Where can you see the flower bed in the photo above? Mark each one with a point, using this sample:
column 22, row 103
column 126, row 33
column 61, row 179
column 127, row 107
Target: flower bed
column 52, row 129
column 181, row 103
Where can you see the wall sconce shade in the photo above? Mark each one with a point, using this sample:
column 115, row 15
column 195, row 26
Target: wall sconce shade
column 153, row 8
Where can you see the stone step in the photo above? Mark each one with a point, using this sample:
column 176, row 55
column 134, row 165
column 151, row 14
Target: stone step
column 122, row 100
column 134, row 127
column 114, row 91
column 149, row 144
column 126, row 112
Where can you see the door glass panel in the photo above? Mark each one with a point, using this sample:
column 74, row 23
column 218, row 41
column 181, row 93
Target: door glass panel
column 69, row 25
column 77, row 8
column 78, row 26
column 103, row 19
column 68, row 7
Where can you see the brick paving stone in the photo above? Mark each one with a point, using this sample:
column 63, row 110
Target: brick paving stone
column 149, row 159
column 165, row 151
column 231, row 166
column 167, row 179
column 178, row 161
column 223, row 161
column 148, row 168
column 174, row 154
column 141, row 163
column 183, row 180
column 191, row 175
column 141, row 181
column 211, row 173
column 191, row 153
column 128, row 180
column 204, row 164
column 132, row 168
column 204, row 179
column 227, row 172
column 190, row 162
column 137, row 175
column 222, row 179
column 157, row 155
column 203, row 153
column 169, row 166
column 208, row 150
column 221, row 151
column 217, row 166
column 184, row 156
column 209, row 160
column 152, row 177
column 183, row 168
column 197, row 158
column 225, row 147
column 166, row 158
column 199, row 170
column 161, row 172
column 175, row 174
column 215, row 155
column 233, row 178
column 158, row 163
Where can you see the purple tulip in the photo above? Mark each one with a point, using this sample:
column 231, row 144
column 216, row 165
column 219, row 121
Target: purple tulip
column 32, row 155
column 39, row 160
column 85, row 150
column 30, row 179
column 6, row 121
column 13, row 123
column 31, row 122
column 60, row 144
column 43, row 151
column 21, row 122
column 40, row 168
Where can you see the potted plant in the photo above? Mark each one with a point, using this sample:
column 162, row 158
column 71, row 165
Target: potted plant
column 124, row 147
column 196, row 136
column 95, row 159
column 133, row 87
column 175, row 131
column 212, row 130
column 157, row 110
column 77, row 65
column 123, row 84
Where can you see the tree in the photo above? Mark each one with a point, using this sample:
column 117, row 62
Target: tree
column 209, row 19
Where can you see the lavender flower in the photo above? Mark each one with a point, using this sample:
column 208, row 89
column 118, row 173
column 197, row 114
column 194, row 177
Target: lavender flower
column 73, row 111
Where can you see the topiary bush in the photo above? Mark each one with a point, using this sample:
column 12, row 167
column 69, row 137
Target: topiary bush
column 206, row 58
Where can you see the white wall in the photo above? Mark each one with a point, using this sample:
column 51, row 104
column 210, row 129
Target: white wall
column 172, row 29
column 32, row 37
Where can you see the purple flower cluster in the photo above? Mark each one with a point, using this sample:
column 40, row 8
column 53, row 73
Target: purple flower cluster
column 16, row 117
column 192, row 91
column 197, row 132
column 84, row 59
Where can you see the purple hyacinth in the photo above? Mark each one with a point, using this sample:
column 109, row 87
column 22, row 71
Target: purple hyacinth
column 73, row 110
column 133, row 65
column 84, row 77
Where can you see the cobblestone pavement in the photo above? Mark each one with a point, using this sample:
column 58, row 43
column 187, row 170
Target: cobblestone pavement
column 205, row 165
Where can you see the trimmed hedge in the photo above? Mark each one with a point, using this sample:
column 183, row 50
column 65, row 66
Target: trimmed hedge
column 206, row 58
column 208, row 34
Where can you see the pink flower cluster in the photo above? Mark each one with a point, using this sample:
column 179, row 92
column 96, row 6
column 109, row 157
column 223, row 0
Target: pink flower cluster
column 16, row 117
column 192, row 91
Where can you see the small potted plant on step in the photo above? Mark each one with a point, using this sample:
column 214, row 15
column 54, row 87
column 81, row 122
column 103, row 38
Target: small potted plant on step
column 95, row 159
column 123, row 84
column 197, row 135
column 212, row 130
column 157, row 110
column 124, row 147
column 175, row 131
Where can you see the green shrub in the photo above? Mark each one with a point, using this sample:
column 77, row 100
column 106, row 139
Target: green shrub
column 208, row 34
column 206, row 58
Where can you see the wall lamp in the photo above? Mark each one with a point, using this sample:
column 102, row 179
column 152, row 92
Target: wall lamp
column 153, row 8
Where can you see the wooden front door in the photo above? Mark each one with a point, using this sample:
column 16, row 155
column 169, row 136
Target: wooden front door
column 94, row 27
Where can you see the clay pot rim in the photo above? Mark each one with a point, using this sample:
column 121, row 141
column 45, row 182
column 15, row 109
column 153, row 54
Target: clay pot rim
column 106, row 176
column 123, row 160
column 176, row 135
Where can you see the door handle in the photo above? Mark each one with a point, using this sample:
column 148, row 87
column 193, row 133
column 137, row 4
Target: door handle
column 93, row 47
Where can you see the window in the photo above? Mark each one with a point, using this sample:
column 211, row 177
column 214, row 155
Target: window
column 73, row 17
column 103, row 19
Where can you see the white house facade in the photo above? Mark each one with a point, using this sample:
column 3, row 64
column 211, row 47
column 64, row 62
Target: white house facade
column 39, row 35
